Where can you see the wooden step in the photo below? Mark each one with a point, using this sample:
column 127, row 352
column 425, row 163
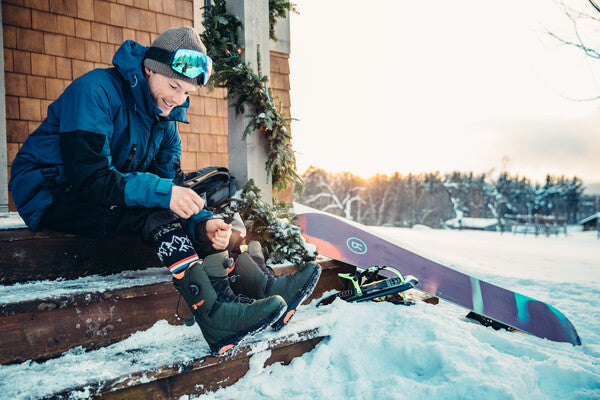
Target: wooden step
column 45, row 328
column 197, row 376
column 29, row 256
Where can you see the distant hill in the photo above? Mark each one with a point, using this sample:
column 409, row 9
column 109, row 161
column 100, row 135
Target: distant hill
column 592, row 188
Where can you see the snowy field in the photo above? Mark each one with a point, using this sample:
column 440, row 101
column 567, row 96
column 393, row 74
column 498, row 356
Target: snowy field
column 382, row 351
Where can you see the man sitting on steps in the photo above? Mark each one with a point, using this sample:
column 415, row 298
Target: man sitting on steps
column 102, row 163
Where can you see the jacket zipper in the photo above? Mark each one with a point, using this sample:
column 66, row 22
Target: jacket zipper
column 152, row 129
column 130, row 163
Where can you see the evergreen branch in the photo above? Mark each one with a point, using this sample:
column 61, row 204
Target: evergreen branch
column 272, row 225
column 250, row 90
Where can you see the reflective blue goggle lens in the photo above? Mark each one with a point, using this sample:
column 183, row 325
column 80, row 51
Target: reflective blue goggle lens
column 192, row 63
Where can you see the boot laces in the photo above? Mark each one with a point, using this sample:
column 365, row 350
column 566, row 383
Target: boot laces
column 224, row 292
column 267, row 270
column 263, row 266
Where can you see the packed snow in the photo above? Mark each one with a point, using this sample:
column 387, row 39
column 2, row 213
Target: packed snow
column 383, row 351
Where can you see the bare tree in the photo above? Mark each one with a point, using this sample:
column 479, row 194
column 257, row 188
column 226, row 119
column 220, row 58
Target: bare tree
column 340, row 192
column 578, row 17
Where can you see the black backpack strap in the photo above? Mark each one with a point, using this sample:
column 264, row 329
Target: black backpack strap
column 214, row 184
column 191, row 176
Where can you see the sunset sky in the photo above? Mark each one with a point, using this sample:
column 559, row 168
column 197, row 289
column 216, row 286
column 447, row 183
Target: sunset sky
column 386, row 86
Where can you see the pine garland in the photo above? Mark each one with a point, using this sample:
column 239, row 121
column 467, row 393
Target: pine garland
column 249, row 89
column 278, row 9
column 272, row 225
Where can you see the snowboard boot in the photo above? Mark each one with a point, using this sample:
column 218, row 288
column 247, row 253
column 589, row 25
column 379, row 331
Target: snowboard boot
column 256, row 280
column 224, row 318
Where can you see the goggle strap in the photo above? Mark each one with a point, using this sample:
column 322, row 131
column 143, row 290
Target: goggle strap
column 160, row 55
column 167, row 57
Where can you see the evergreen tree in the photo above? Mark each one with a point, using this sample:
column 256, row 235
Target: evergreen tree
column 432, row 199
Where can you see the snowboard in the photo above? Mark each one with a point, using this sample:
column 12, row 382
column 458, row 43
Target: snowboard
column 348, row 243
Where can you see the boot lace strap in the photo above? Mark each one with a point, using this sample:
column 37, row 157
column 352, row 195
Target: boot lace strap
column 188, row 321
column 224, row 292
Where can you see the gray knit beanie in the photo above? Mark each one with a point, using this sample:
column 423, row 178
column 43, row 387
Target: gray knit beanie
column 173, row 39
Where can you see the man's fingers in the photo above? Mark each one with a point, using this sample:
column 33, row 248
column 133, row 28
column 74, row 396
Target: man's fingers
column 200, row 202
column 192, row 201
column 185, row 202
column 180, row 212
column 183, row 212
column 221, row 237
column 223, row 225
column 220, row 244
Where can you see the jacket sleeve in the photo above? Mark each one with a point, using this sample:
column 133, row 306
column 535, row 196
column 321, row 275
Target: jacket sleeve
column 86, row 128
column 88, row 170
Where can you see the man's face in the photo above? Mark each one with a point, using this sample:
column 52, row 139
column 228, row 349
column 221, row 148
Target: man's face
column 166, row 92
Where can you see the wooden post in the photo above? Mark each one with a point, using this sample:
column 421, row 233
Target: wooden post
column 247, row 158
column 3, row 151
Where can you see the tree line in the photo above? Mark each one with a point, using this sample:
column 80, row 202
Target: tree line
column 433, row 198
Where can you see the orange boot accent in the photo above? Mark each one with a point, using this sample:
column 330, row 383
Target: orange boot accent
column 231, row 269
column 225, row 348
column 288, row 316
column 195, row 306
column 179, row 275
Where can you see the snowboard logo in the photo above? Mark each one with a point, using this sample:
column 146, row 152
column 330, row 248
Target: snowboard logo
column 356, row 245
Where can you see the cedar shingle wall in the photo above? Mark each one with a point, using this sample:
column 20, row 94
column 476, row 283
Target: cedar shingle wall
column 48, row 43
column 280, row 85
column 280, row 80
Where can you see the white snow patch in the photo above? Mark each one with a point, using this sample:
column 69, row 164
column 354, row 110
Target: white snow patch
column 35, row 290
column 11, row 220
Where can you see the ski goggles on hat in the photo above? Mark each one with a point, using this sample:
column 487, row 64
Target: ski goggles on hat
column 187, row 62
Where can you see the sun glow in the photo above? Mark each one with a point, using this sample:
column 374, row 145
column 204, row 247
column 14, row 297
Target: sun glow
column 411, row 91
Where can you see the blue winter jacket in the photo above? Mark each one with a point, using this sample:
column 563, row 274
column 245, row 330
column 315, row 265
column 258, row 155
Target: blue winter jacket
column 103, row 139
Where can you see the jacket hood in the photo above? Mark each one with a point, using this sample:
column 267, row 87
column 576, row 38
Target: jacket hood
column 128, row 61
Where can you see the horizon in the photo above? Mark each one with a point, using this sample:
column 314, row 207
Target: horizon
column 594, row 186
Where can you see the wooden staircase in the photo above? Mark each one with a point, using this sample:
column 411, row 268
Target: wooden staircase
column 40, row 328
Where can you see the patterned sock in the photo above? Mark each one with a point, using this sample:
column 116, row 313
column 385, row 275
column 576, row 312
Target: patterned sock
column 174, row 248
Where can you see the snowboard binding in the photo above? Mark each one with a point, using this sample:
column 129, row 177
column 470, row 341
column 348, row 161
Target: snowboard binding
column 369, row 285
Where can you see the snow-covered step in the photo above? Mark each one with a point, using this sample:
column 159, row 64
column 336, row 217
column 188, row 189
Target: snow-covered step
column 45, row 328
column 42, row 320
column 199, row 375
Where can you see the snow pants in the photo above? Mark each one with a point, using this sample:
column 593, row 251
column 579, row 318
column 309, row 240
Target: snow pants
column 72, row 214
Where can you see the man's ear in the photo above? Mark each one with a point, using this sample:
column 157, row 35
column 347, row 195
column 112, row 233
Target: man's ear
column 147, row 71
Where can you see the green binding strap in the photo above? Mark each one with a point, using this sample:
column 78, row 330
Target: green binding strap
column 391, row 270
column 354, row 281
column 356, row 278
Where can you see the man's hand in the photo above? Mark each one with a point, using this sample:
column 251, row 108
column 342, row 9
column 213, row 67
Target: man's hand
column 218, row 232
column 185, row 202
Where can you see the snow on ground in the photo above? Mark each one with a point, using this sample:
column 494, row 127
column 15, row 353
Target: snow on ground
column 384, row 351
column 11, row 220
